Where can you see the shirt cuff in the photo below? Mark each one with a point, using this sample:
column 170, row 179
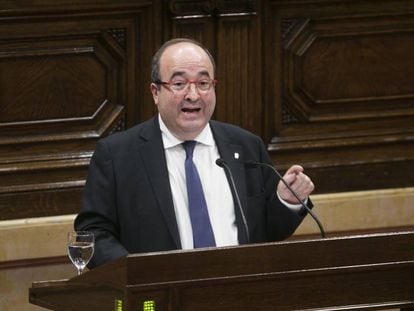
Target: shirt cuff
column 294, row 207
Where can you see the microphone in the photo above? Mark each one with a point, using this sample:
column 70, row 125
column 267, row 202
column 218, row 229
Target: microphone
column 256, row 164
column 224, row 165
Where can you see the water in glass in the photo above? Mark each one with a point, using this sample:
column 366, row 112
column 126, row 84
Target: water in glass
column 80, row 248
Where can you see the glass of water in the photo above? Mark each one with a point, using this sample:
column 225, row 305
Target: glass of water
column 80, row 248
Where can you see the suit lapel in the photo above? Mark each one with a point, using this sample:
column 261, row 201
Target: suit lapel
column 151, row 150
column 153, row 157
column 232, row 153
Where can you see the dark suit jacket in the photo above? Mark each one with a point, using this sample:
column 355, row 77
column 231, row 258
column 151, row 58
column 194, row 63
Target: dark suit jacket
column 128, row 203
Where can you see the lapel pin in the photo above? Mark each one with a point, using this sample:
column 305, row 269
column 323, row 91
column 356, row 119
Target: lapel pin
column 236, row 155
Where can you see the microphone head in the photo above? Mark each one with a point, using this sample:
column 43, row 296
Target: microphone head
column 220, row 162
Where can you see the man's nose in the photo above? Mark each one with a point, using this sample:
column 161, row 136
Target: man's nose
column 192, row 91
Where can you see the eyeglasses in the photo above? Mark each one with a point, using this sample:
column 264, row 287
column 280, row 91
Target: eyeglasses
column 182, row 85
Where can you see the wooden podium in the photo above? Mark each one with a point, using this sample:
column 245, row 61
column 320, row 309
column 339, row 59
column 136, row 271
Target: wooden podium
column 365, row 272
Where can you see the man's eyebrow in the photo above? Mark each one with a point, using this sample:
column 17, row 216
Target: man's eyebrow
column 204, row 73
column 177, row 73
column 182, row 73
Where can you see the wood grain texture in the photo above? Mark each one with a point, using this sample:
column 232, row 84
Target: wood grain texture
column 67, row 78
column 342, row 91
column 325, row 83
column 367, row 272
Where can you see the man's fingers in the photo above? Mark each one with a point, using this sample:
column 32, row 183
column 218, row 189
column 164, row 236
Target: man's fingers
column 294, row 169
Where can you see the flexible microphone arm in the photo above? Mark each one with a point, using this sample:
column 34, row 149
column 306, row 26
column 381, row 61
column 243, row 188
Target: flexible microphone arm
column 224, row 165
column 256, row 164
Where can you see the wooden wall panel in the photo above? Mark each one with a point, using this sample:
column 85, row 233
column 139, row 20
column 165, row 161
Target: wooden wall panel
column 231, row 31
column 239, row 92
column 343, row 91
column 325, row 83
column 341, row 69
column 67, row 78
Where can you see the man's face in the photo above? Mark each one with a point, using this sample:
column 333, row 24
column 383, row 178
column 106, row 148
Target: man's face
column 186, row 112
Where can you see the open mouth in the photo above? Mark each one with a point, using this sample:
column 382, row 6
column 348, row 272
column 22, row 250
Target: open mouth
column 190, row 110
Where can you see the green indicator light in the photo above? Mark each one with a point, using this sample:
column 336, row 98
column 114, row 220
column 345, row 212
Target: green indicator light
column 149, row 305
column 118, row 305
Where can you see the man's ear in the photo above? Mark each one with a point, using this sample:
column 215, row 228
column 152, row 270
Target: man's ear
column 154, row 90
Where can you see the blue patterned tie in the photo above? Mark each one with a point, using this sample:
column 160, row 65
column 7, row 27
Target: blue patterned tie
column 202, row 232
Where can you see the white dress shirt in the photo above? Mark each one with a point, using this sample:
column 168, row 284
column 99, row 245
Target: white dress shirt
column 216, row 188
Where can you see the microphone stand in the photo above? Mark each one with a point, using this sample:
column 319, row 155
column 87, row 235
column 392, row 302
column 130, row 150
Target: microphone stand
column 223, row 164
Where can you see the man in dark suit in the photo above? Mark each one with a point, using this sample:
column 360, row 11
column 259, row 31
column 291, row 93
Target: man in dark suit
column 137, row 196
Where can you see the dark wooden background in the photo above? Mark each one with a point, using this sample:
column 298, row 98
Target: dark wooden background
column 328, row 84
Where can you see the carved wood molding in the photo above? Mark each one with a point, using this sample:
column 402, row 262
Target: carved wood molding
column 35, row 262
column 288, row 25
column 38, row 8
column 191, row 7
column 119, row 34
column 287, row 116
column 211, row 7
column 65, row 88
column 368, row 57
column 119, row 126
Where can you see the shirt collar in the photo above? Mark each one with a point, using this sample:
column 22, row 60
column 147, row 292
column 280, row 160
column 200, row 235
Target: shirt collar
column 169, row 140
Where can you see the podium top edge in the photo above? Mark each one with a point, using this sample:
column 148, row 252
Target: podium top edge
column 40, row 284
column 286, row 242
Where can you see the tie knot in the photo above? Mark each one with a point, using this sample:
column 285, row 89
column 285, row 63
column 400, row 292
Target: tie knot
column 189, row 147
